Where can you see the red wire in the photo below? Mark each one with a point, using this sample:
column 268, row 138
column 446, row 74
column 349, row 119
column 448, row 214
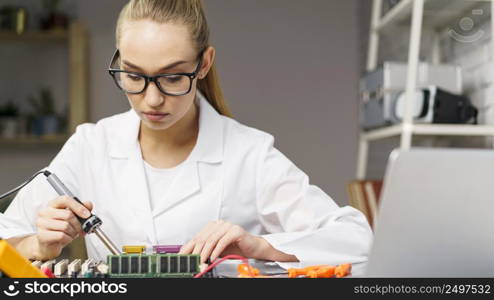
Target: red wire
column 219, row 261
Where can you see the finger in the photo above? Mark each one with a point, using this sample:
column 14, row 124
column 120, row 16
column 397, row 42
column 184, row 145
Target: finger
column 52, row 237
column 187, row 248
column 213, row 240
column 204, row 236
column 57, row 225
column 88, row 205
column 190, row 245
column 64, row 215
column 74, row 206
column 75, row 223
column 231, row 236
column 199, row 244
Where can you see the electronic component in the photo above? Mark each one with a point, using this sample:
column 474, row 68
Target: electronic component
column 156, row 265
column 132, row 265
column 134, row 249
column 61, row 267
column 153, row 265
column 102, row 268
column 74, row 268
column 48, row 265
column 85, row 267
column 167, row 248
column 48, row 273
column 37, row 264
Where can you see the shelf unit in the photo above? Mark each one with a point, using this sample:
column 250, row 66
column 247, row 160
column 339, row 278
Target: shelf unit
column 77, row 41
column 49, row 36
column 410, row 13
column 35, row 140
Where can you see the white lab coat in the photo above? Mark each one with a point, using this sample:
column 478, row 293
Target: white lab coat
column 233, row 173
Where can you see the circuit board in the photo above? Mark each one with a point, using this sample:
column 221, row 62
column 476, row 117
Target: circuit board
column 154, row 265
column 134, row 262
column 73, row 269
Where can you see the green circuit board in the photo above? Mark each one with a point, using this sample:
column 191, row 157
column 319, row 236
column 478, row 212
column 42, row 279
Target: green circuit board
column 153, row 265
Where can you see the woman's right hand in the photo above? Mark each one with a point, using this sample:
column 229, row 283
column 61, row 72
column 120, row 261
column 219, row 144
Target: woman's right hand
column 58, row 226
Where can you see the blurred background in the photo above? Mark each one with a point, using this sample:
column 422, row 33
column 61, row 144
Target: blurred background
column 291, row 68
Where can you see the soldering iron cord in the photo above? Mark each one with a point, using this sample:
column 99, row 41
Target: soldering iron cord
column 21, row 186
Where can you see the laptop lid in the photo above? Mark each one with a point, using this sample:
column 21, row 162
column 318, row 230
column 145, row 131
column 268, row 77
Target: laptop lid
column 436, row 217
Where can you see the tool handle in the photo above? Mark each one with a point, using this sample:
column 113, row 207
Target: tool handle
column 59, row 187
column 62, row 190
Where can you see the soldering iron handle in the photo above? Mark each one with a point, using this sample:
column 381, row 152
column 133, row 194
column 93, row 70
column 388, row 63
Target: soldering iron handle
column 62, row 190
column 58, row 186
column 92, row 223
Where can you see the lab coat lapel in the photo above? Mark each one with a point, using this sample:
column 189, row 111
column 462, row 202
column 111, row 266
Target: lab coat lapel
column 125, row 149
column 208, row 149
column 138, row 193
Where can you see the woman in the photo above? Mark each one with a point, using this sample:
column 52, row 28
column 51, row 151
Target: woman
column 176, row 169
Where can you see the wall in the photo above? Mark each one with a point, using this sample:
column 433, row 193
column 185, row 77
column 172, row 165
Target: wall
column 288, row 67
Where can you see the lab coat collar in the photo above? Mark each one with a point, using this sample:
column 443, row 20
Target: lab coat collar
column 209, row 145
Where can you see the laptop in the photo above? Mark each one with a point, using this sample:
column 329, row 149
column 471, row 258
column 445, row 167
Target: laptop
column 436, row 216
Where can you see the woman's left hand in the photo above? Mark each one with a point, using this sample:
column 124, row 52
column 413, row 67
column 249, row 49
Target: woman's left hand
column 221, row 238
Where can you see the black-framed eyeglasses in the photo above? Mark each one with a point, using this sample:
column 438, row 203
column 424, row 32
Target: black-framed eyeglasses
column 174, row 84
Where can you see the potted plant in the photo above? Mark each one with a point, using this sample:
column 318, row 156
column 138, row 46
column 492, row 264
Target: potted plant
column 8, row 119
column 45, row 120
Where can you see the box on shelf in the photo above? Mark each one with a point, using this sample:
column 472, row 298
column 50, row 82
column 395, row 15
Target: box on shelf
column 381, row 88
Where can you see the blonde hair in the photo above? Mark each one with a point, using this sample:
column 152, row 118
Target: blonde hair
column 191, row 14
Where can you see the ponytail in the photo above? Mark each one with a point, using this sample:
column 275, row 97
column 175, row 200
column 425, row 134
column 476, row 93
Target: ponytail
column 211, row 89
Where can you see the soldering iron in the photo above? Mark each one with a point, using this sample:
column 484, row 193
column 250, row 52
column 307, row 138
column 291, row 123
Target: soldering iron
column 89, row 225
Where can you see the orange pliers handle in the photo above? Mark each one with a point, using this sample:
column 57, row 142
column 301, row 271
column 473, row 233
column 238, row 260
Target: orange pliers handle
column 293, row 272
column 247, row 271
column 321, row 271
column 343, row 270
column 324, row 272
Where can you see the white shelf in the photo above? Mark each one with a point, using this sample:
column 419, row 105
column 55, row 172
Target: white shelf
column 396, row 15
column 430, row 129
column 415, row 15
column 438, row 14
